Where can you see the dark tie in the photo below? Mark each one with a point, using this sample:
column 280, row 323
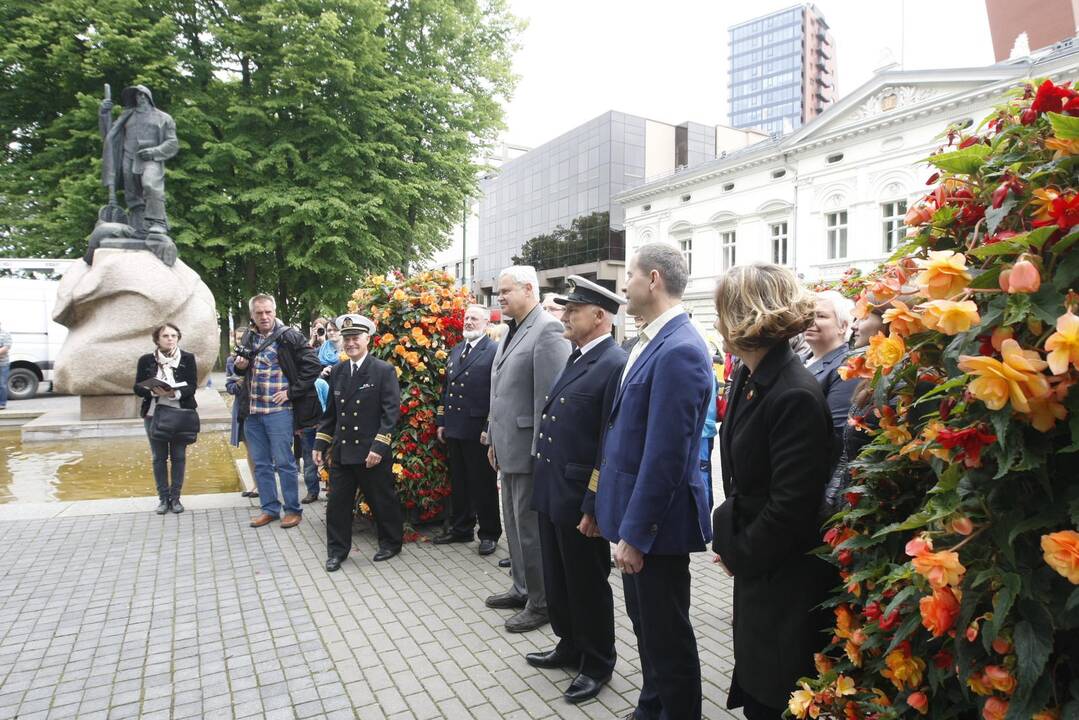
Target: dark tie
column 573, row 356
column 468, row 347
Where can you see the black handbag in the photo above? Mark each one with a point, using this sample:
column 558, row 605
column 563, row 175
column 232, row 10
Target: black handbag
column 174, row 425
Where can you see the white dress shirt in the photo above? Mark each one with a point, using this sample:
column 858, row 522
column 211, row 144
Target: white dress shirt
column 646, row 334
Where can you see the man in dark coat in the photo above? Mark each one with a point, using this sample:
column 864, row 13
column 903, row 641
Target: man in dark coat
column 461, row 419
column 357, row 427
column 650, row 498
column 576, row 561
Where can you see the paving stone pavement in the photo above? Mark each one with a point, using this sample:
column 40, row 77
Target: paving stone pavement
column 200, row 616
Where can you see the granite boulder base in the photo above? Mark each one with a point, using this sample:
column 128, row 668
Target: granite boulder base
column 111, row 309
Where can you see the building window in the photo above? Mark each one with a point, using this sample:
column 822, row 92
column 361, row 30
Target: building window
column 686, row 246
column 457, row 271
column 892, row 214
column 472, row 268
column 779, row 243
column 836, row 223
column 727, row 248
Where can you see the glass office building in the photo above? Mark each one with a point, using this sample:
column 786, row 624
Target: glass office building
column 782, row 70
column 552, row 208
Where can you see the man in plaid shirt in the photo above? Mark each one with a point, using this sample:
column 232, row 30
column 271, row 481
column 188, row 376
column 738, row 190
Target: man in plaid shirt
column 278, row 399
column 5, row 365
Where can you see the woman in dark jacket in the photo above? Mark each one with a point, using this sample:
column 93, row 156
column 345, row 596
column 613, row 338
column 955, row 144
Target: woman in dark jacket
column 775, row 448
column 176, row 367
column 827, row 338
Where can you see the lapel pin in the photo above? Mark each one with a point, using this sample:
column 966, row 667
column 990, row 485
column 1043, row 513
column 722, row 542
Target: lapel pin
column 749, row 395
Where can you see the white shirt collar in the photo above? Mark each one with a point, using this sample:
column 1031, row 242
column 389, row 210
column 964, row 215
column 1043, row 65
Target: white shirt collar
column 585, row 348
column 357, row 364
column 653, row 328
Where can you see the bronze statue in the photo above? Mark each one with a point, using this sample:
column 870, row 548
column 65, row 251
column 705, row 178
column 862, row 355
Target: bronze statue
column 135, row 148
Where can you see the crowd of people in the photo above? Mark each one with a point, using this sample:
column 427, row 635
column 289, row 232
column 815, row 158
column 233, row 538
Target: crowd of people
column 589, row 447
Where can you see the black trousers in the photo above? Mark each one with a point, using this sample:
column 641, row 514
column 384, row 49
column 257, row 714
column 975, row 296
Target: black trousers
column 475, row 490
column 377, row 486
column 579, row 600
column 657, row 602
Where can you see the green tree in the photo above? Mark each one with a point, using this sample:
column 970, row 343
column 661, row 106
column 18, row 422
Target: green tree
column 589, row 238
column 321, row 140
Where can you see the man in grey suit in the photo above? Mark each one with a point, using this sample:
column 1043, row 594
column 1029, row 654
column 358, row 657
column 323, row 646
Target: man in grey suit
column 529, row 358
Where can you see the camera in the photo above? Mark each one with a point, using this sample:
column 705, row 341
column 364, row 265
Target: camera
column 244, row 349
column 320, row 331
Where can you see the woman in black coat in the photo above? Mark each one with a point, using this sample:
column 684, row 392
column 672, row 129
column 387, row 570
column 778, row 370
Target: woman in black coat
column 775, row 451
column 176, row 367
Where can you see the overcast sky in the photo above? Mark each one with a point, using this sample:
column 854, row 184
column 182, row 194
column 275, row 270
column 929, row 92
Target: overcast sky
column 667, row 59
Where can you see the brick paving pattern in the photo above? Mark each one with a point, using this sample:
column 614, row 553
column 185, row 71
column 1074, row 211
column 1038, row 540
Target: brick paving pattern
column 199, row 616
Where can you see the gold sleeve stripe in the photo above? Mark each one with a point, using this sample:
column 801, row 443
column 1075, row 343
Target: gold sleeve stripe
column 324, row 436
column 441, row 410
column 593, row 482
column 382, row 439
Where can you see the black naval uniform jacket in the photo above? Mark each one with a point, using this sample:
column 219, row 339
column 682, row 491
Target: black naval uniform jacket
column 466, row 392
column 361, row 411
column 571, row 428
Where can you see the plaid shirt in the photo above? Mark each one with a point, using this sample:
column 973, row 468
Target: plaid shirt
column 5, row 341
column 266, row 378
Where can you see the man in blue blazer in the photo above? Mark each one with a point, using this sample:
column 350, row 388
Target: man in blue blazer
column 461, row 419
column 575, row 565
column 650, row 498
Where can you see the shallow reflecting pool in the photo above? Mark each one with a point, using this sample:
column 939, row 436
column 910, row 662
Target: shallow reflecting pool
column 105, row 468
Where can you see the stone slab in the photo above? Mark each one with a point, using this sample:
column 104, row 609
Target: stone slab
column 64, row 422
column 109, row 407
column 117, row 506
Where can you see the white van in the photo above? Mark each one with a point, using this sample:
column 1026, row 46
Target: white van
column 27, row 296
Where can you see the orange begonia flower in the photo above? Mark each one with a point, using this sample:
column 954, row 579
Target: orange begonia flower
column 1045, row 412
column 979, row 685
column 1016, row 378
column 854, row 653
column 902, row 320
column 801, row 702
column 903, row 669
column 939, row 611
column 1047, row 714
column 1064, row 148
column 844, row 686
column 944, row 274
column 855, row 367
column 1000, row 679
column 399, row 294
column 1063, row 345
column 919, row 702
column 1043, row 202
column 950, row 317
column 1061, row 552
column 941, row 569
column 844, row 621
column 995, row 709
column 884, row 352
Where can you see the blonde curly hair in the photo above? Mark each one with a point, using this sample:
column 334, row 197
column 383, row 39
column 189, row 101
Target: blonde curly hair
column 760, row 305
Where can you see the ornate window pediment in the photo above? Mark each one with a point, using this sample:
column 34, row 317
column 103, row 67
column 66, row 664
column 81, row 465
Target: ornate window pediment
column 891, row 98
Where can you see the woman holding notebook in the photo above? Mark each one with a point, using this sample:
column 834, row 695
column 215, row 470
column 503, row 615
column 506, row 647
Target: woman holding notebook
column 166, row 377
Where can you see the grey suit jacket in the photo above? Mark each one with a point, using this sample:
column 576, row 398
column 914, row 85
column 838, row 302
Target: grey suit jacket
column 523, row 373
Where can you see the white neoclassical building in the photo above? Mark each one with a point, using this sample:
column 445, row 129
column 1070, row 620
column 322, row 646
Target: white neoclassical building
column 833, row 194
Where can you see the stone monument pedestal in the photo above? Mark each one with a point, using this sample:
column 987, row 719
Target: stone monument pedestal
column 109, row 407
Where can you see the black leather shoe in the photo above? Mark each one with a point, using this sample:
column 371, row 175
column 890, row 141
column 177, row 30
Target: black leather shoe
column 487, row 547
column 162, row 508
column 333, row 564
column 309, row 498
column 553, row 659
column 385, row 554
column 504, row 562
column 584, row 688
column 506, row 601
column 176, row 506
column 450, row 538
